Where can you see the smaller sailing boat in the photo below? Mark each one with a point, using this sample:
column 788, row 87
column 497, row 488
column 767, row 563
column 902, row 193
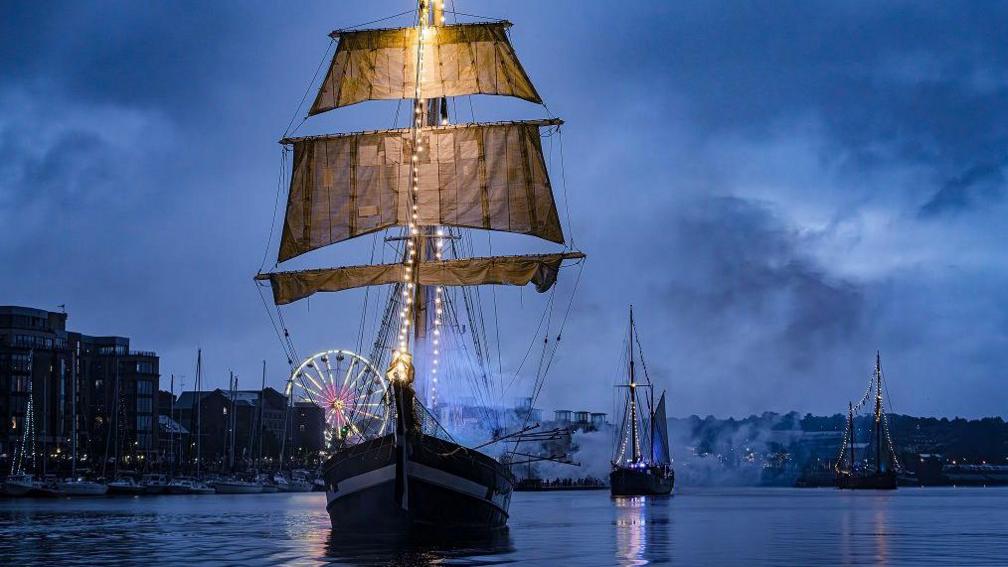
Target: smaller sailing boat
column 19, row 482
column 878, row 469
column 634, row 472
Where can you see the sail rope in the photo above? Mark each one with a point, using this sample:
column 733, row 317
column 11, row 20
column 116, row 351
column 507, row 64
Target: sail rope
column 276, row 206
column 297, row 111
column 379, row 20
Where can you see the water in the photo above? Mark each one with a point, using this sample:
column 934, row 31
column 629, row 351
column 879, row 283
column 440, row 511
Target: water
column 934, row 526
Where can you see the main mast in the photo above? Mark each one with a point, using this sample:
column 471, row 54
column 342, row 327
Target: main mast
column 633, row 395
column 878, row 412
column 850, row 433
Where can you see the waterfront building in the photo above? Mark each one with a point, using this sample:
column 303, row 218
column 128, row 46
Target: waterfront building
column 308, row 432
column 212, row 418
column 97, row 379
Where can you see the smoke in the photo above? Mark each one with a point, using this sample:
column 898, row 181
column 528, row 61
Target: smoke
column 705, row 452
column 715, row 452
column 590, row 453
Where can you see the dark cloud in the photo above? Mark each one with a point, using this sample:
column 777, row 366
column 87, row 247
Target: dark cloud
column 978, row 184
column 747, row 265
column 750, row 176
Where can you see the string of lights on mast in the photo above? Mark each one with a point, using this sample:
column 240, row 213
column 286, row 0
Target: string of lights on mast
column 410, row 272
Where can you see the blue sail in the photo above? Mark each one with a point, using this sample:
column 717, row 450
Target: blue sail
column 659, row 435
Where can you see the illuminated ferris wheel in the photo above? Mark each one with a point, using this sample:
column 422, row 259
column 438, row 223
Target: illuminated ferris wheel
column 351, row 391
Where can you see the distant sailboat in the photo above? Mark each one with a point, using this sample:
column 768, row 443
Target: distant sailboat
column 636, row 472
column 19, row 482
column 877, row 469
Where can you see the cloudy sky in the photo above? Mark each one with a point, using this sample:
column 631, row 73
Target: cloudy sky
column 779, row 188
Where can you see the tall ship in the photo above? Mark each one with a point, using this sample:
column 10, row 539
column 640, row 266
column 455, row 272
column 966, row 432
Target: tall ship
column 867, row 459
column 641, row 465
column 430, row 187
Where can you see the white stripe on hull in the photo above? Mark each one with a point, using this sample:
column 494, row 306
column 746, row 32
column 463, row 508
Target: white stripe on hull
column 416, row 471
column 361, row 482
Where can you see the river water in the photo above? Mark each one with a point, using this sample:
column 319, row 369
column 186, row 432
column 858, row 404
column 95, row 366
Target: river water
column 933, row 526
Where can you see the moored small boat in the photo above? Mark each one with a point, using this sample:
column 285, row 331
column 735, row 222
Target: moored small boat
column 81, row 487
column 202, row 488
column 45, row 487
column 154, row 484
column 233, row 486
column 295, row 484
column 18, row 484
column 180, row 485
column 186, row 485
column 125, row 486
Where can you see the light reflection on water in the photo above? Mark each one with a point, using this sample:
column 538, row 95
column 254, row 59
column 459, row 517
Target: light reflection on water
column 712, row 526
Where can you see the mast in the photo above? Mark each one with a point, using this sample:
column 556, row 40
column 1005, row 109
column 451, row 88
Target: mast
column 262, row 399
column 45, row 422
column 199, row 406
column 633, row 395
column 233, row 386
column 73, row 411
column 115, row 415
column 27, row 429
column 878, row 412
column 171, row 430
column 850, row 433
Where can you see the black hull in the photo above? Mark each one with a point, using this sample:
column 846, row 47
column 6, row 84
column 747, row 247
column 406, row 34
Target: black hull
column 880, row 481
column 448, row 487
column 649, row 481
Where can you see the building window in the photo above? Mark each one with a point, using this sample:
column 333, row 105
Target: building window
column 144, row 388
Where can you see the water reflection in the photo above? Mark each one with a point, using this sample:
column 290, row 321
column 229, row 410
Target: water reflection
column 642, row 529
column 422, row 549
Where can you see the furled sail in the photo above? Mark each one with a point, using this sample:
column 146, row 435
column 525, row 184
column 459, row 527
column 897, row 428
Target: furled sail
column 659, row 435
column 458, row 60
column 538, row 269
column 488, row 176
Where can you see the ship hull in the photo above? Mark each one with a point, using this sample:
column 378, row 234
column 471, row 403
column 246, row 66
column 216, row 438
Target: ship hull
column 649, row 481
column 447, row 487
column 880, row 481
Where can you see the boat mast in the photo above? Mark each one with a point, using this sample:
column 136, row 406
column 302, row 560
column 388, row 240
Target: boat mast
column 73, row 411
column 262, row 399
column 115, row 415
column 199, row 406
column 850, row 433
column 45, row 421
column 878, row 413
column 171, row 426
column 233, row 384
column 633, row 395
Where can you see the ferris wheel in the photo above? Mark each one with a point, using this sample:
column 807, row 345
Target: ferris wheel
column 349, row 389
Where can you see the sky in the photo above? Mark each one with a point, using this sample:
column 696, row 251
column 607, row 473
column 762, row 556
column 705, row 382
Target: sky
column 779, row 188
